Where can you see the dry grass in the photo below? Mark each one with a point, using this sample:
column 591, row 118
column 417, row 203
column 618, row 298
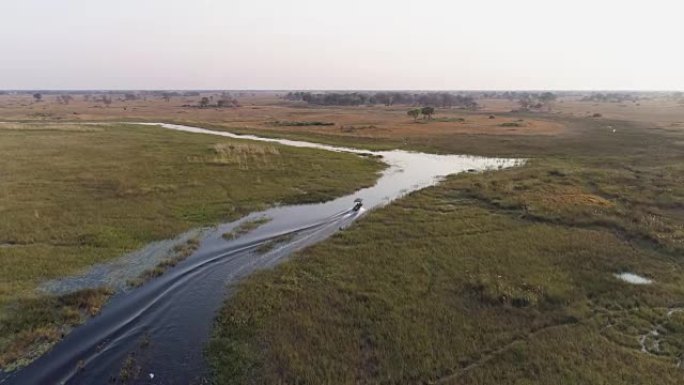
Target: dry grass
column 267, row 114
column 243, row 155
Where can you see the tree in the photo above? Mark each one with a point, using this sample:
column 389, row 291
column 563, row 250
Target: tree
column 64, row 99
column 37, row 97
column 427, row 112
column 525, row 103
column 414, row 113
column 227, row 102
column 204, row 102
column 547, row 98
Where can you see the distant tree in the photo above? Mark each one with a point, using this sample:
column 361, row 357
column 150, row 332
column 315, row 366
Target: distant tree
column 384, row 98
column 427, row 112
column 204, row 102
column 37, row 97
column 64, row 99
column 525, row 103
column 227, row 101
column 436, row 99
column 547, row 98
column 414, row 113
column 107, row 100
column 167, row 96
column 129, row 97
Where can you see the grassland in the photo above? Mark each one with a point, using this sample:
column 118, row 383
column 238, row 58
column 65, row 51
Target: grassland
column 74, row 195
column 497, row 278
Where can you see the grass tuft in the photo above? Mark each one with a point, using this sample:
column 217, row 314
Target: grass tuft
column 245, row 227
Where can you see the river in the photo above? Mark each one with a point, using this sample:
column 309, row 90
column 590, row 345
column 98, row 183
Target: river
column 156, row 334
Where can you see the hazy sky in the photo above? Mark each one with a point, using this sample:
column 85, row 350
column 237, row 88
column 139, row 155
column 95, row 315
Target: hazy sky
column 341, row 44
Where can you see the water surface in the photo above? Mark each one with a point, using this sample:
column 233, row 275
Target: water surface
column 633, row 279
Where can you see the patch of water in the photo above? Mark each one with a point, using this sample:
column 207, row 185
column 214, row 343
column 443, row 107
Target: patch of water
column 633, row 279
column 650, row 342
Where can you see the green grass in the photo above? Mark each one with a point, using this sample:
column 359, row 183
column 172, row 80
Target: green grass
column 449, row 120
column 245, row 227
column 35, row 323
column 178, row 253
column 495, row 278
column 273, row 243
column 511, row 124
column 360, row 142
column 74, row 195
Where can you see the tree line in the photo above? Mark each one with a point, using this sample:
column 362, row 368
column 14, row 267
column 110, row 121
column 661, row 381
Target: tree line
column 436, row 99
column 612, row 97
column 536, row 101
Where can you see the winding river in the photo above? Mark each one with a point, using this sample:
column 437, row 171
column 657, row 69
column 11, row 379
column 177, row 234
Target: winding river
column 156, row 334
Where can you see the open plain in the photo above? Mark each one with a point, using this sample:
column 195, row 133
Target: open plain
column 500, row 277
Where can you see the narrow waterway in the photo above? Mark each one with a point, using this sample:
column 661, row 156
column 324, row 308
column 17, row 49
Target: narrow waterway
column 156, row 334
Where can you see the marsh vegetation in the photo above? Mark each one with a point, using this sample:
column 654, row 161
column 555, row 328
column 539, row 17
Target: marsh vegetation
column 491, row 278
column 75, row 195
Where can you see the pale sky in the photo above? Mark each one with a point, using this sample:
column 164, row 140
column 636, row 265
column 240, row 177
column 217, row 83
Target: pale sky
column 342, row 44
